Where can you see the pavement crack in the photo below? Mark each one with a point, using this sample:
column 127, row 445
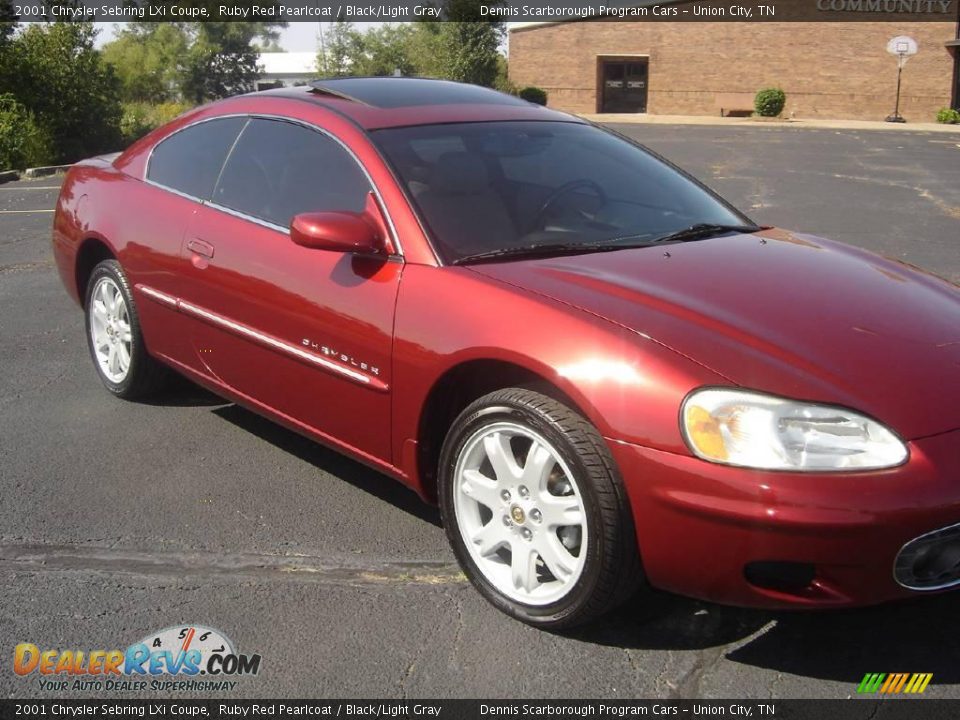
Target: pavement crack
column 458, row 635
column 689, row 685
column 40, row 558
column 411, row 668
column 25, row 267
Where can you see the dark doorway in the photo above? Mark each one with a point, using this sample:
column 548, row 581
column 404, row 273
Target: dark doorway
column 623, row 85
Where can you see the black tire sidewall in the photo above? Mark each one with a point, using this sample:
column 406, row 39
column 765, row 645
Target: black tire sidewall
column 138, row 355
column 559, row 612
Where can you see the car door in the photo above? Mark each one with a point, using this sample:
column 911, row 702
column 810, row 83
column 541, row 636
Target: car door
column 304, row 332
column 179, row 176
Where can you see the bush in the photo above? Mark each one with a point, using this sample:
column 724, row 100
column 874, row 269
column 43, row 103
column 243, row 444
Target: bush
column 22, row 143
column 534, row 95
column 948, row 116
column 54, row 70
column 139, row 118
column 769, row 102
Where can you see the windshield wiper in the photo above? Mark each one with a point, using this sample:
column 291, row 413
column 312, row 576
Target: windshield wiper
column 701, row 231
column 540, row 250
column 694, row 232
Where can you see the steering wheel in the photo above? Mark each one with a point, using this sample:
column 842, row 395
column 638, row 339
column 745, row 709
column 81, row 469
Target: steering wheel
column 563, row 190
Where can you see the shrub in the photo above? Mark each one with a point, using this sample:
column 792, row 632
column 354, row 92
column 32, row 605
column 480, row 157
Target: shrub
column 139, row 118
column 22, row 143
column 54, row 70
column 948, row 116
column 769, row 102
column 534, row 95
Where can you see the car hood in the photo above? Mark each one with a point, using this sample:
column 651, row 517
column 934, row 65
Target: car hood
column 789, row 314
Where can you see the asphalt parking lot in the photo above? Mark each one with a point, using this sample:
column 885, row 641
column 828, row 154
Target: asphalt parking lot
column 118, row 519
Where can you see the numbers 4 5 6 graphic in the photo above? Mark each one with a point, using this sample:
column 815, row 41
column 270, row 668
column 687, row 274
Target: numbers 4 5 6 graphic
column 180, row 650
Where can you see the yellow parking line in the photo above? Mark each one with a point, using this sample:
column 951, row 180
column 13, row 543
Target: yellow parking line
column 10, row 212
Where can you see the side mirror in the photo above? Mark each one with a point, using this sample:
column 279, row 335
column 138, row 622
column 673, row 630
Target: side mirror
column 345, row 232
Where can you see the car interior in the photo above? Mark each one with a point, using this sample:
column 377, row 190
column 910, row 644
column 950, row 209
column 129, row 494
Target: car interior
column 486, row 188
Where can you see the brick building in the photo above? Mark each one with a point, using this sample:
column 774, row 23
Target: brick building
column 835, row 69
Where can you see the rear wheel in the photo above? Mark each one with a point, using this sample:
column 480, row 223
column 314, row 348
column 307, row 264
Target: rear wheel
column 114, row 336
column 535, row 510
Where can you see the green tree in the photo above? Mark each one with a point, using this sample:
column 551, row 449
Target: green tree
column 386, row 49
column 222, row 59
column 339, row 50
column 8, row 21
column 54, row 71
column 146, row 58
column 465, row 47
column 22, row 143
column 468, row 51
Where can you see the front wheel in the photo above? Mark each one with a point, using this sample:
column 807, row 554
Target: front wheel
column 535, row 510
column 114, row 335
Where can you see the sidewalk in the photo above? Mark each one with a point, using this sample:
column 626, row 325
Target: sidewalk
column 815, row 124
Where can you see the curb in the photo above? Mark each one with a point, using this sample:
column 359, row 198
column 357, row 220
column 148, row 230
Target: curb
column 9, row 176
column 808, row 124
column 45, row 171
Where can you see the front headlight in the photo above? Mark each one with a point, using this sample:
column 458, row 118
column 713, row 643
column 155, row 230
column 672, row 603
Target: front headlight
column 749, row 429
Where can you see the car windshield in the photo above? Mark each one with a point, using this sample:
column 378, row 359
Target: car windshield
column 493, row 189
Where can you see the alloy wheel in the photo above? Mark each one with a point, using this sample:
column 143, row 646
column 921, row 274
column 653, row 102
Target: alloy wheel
column 110, row 330
column 520, row 513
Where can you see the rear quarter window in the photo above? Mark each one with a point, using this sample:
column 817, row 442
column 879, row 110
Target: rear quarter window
column 189, row 161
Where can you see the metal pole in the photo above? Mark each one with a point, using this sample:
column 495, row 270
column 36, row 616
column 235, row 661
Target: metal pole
column 896, row 117
column 896, row 110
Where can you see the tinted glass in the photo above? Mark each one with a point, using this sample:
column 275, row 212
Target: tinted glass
column 280, row 169
column 484, row 187
column 391, row 92
column 190, row 160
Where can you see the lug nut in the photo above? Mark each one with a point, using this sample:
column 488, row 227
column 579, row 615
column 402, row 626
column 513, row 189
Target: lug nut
column 526, row 533
column 505, row 495
column 506, row 520
column 535, row 515
column 523, row 491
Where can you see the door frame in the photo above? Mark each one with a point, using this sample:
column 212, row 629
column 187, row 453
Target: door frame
column 614, row 57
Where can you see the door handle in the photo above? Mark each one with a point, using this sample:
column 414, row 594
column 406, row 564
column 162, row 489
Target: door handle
column 200, row 247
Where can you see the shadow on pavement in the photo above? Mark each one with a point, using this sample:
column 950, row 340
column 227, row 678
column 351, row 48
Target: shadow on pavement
column 841, row 645
column 181, row 392
column 332, row 462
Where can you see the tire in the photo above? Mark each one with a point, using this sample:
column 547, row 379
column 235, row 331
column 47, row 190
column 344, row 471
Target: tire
column 113, row 333
column 549, row 538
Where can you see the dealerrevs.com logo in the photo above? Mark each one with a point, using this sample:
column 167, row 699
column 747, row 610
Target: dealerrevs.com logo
column 180, row 658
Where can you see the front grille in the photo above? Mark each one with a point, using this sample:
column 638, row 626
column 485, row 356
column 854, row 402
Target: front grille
column 931, row 561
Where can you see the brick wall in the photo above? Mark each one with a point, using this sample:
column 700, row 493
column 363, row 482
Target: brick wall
column 829, row 70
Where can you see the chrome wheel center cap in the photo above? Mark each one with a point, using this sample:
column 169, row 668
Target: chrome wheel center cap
column 516, row 512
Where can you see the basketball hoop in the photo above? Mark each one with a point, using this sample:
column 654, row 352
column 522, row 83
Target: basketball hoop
column 904, row 47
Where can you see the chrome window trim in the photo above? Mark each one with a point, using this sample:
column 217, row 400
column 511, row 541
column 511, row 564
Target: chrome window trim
column 173, row 190
column 188, row 308
column 392, row 228
column 250, row 218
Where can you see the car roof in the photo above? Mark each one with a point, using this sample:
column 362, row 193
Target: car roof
column 381, row 102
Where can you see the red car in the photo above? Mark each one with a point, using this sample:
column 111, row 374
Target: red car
column 607, row 377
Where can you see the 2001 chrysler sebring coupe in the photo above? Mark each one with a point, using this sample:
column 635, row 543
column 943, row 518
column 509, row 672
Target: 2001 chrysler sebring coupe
column 607, row 377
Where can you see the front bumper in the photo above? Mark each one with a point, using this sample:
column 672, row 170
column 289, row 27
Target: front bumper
column 704, row 528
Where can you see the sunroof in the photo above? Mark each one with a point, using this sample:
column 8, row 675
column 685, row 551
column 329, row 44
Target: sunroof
column 397, row 92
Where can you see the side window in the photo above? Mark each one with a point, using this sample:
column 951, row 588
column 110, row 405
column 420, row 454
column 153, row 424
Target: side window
column 279, row 169
column 190, row 160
